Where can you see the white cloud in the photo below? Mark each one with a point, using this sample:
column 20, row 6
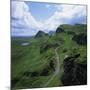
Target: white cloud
column 64, row 14
column 22, row 17
column 18, row 9
column 48, row 5
column 68, row 14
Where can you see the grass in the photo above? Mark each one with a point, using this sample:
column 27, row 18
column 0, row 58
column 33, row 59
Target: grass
column 30, row 59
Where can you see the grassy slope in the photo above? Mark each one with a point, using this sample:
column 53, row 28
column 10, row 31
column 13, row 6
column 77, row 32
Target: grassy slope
column 29, row 59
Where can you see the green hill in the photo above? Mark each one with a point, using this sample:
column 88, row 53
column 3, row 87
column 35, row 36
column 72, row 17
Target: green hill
column 41, row 34
column 77, row 28
column 36, row 65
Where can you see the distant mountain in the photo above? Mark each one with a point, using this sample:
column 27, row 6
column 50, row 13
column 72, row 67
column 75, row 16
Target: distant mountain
column 40, row 34
column 51, row 33
column 21, row 37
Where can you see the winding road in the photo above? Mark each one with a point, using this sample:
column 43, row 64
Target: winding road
column 57, row 69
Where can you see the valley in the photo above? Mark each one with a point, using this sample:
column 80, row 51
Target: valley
column 50, row 60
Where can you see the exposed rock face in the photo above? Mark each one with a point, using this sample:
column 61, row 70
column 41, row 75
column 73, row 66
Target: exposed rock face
column 59, row 30
column 41, row 34
column 74, row 73
column 80, row 38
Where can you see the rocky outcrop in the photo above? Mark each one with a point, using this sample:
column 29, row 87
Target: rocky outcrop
column 74, row 73
column 41, row 34
column 59, row 30
column 80, row 38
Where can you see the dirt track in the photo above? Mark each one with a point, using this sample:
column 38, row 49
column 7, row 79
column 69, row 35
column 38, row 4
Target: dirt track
column 57, row 69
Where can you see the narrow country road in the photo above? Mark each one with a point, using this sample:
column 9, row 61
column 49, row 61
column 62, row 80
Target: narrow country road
column 57, row 69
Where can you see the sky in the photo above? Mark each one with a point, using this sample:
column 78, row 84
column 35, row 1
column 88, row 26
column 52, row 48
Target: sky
column 27, row 18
